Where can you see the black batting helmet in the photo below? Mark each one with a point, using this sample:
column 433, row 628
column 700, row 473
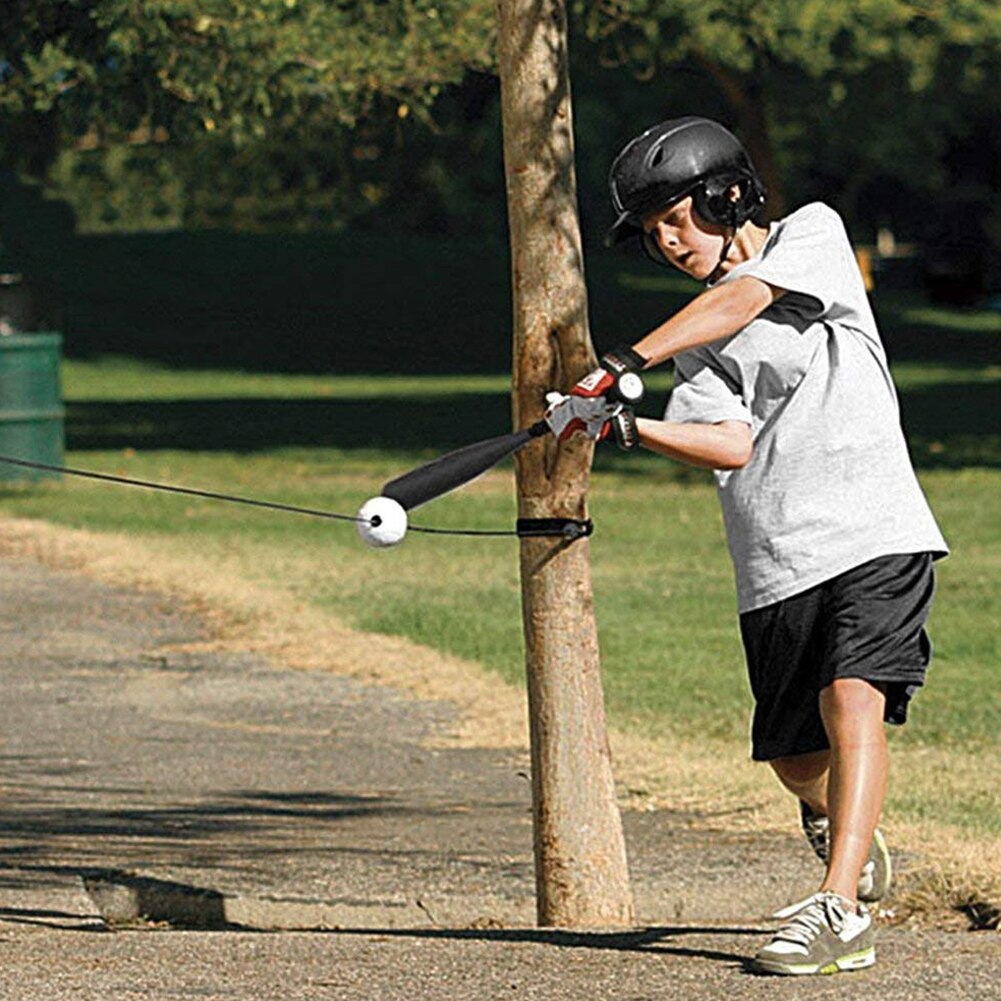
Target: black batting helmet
column 683, row 156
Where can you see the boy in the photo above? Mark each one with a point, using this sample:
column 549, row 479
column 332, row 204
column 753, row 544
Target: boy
column 782, row 387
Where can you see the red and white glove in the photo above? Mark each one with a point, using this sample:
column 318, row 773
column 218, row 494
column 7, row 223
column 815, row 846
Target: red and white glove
column 617, row 377
column 597, row 419
column 569, row 414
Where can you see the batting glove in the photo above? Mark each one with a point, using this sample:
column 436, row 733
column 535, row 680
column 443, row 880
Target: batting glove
column 569, row 414
column 617, row 377
column 623, row 429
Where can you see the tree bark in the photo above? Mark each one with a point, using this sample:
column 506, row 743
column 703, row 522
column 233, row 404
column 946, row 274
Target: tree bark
column 581, row 872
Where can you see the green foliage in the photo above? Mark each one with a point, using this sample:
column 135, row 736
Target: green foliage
column 259, row 114
column 881, row 107
column 237, row 66
column 832, row 38
column 122, row 187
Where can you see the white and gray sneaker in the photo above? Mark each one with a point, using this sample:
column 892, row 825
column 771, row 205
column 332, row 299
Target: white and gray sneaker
column 820, row 935
column 877, row 872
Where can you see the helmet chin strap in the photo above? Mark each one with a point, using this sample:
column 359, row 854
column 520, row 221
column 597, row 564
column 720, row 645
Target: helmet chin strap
column 717, row 272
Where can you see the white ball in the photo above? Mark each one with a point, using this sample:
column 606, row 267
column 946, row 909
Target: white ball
column 383, row 522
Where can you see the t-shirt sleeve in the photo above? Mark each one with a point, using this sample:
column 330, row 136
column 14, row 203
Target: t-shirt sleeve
column 812, row 258
column 703, row 393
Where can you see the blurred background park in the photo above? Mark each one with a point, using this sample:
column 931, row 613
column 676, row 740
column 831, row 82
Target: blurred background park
column 273, row 237
column 309, row 186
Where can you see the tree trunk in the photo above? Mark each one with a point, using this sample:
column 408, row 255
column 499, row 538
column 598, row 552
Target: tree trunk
column 581, row 873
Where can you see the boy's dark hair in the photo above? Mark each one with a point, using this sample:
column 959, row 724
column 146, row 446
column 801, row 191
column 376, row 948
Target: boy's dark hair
column 683, row 156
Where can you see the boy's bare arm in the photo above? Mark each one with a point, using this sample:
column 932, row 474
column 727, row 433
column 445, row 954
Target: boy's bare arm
column 710, row 316
column 727, row 445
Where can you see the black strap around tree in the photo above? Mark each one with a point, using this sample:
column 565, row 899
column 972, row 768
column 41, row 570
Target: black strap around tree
column 567, row 528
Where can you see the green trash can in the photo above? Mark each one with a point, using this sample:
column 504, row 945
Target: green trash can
column 31, row 407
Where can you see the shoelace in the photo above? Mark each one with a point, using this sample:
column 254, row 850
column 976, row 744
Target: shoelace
column 809, row 918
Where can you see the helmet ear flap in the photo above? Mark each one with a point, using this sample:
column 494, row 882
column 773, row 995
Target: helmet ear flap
column 712, row 201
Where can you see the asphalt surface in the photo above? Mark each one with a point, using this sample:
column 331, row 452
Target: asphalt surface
column 178, row 822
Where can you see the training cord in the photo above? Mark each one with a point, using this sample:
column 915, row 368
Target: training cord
column 230, row 499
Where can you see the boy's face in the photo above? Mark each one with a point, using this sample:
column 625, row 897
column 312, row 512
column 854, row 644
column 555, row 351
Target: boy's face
column 686, row 240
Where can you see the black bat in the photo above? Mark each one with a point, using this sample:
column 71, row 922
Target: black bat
column 451, row 470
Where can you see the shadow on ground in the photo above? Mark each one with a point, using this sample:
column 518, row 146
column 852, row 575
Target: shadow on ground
column 136, row 902
column 247, row 425
column 30, row 829
column 950, row 425
column 639, row 940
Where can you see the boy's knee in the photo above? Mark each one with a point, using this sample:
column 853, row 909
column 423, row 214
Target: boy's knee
column 852, row 697
column 852, row 710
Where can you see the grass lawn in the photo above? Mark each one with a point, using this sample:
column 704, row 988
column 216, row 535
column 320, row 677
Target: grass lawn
column 671, row 657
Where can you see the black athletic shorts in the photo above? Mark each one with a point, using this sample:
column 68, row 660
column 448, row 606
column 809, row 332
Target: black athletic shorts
column 865, row 623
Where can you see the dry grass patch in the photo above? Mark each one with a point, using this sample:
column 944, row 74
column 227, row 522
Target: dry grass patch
column 955, row 885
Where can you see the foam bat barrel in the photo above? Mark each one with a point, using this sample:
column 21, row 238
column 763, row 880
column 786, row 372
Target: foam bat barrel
column 451, row 470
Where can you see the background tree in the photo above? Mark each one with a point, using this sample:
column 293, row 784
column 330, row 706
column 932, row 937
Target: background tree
column 770, row 61
column 580, row 860
column 233, row 65
column 142, row 117
column 300, row 114
column 298, row 81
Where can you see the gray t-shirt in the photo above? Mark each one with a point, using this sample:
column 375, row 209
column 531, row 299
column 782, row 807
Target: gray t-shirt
column 830, row 485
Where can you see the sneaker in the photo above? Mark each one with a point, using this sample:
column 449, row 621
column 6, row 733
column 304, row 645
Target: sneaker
column 821, row 935
column 877, row 873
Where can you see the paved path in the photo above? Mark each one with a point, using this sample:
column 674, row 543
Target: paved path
column 150, row 785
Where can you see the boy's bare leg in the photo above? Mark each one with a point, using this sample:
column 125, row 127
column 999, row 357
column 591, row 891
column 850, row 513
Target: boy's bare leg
column 852, row 711
column 806, row 776
column 848, row 782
